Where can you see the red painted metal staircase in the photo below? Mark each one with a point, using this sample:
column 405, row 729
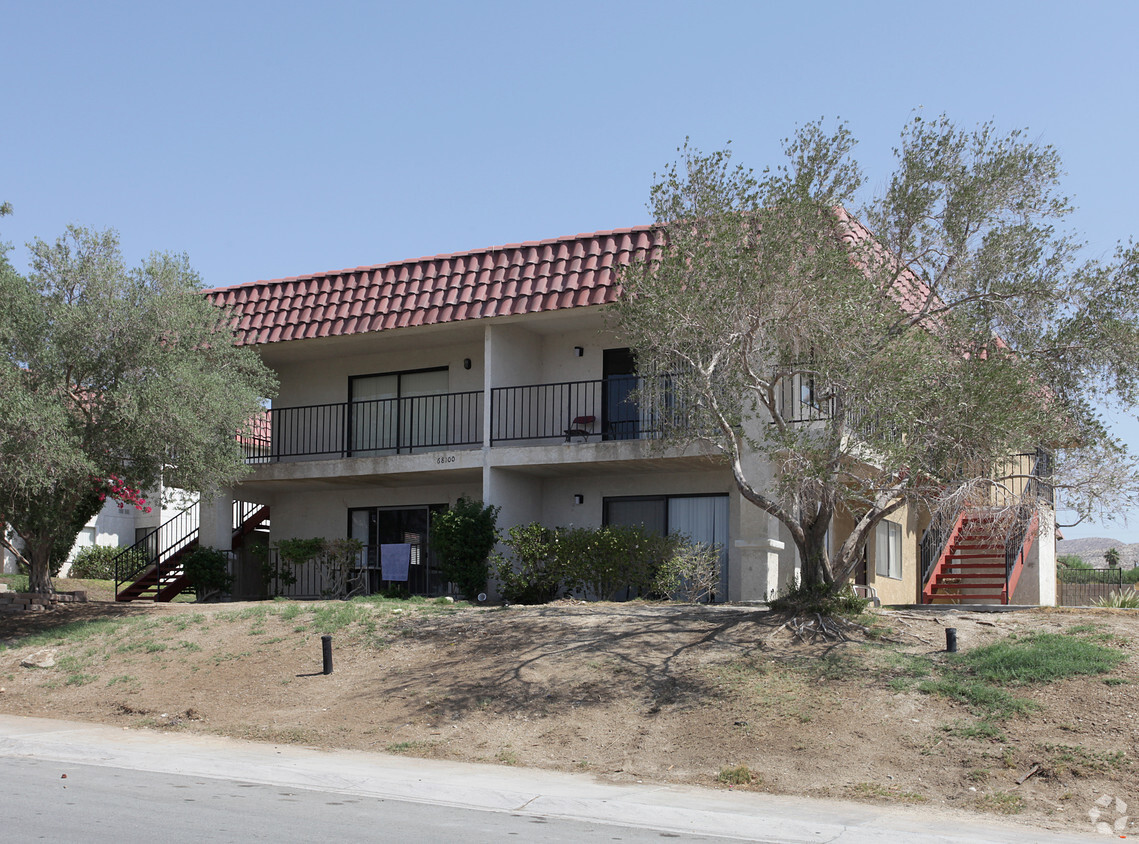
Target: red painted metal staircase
column 977, row 556
column 162, row 577
column 971, row 569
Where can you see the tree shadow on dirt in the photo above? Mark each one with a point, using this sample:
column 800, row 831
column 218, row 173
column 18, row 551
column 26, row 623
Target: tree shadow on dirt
column 545, row 661
column 14, row 627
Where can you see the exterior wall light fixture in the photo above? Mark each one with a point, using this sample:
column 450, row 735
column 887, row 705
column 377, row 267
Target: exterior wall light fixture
column 579, row 498
column 578, row 351
column 466, row 363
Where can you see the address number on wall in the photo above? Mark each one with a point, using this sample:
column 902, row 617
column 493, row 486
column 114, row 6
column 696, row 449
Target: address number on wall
column 446, row 458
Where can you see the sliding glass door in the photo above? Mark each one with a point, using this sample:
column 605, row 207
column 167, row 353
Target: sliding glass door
column 701, row 518
column 397, row 411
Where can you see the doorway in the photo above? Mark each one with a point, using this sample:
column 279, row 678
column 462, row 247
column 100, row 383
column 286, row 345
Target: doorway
column 620, row 416
column 378, row 526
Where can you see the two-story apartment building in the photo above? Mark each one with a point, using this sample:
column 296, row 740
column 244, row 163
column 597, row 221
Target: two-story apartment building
column 492, row 374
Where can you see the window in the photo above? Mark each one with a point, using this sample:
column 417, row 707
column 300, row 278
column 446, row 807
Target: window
column 398, row 411
column 702, row 518
column 888, row 549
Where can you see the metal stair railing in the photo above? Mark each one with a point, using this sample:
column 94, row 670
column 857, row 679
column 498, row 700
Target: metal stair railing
column 934, row 541
column 156, row 547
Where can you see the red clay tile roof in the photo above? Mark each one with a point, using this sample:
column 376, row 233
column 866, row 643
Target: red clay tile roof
column 908, row 290
column 520, row 278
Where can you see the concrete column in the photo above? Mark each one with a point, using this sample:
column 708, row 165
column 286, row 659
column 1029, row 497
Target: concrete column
column 215, row 521
column 1046, row 556
column 758, row 568
column 520, row 499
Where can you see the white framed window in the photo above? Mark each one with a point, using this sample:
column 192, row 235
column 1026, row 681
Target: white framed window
column 888, row 549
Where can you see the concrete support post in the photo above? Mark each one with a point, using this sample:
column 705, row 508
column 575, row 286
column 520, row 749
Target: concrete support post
column 759, row 568
column 215, row 527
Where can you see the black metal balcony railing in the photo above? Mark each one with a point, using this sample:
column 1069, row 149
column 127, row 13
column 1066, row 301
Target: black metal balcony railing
column 601, row 409
column 368, row 428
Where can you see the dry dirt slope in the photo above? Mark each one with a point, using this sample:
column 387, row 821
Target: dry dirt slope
column 627, row 692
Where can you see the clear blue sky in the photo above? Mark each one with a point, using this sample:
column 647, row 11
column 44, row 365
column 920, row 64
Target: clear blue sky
column 268, row 139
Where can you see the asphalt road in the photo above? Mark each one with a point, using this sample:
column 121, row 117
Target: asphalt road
column 99, row 805
column 65, row 781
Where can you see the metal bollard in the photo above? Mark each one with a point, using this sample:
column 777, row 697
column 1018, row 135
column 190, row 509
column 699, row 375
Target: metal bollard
column 326, row 651
column 951, row 640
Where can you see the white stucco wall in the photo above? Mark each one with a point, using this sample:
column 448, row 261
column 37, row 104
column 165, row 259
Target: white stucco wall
column 1037, row 584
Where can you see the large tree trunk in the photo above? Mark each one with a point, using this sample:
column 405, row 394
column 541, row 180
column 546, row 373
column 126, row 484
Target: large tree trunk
column 39, row 574
column 814, row 567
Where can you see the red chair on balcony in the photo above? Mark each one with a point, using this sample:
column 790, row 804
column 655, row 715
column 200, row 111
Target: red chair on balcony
column 581, row 426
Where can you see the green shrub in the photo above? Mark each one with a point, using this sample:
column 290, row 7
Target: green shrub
column 1071, row 561
column 597, row 563
column 208, row 571
column 736, row 775
column 1121, row 600
column 606, row 561
column 463, row 538
column 819, row 598
column 691, row 573
column 97, row 562
column 538, row 578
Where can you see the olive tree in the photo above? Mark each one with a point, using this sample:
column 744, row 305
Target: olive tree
column 890, row 357
column 111, row 379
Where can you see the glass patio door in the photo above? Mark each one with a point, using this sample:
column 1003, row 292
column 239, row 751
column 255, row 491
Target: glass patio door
column 379, row 526
column 397, row 411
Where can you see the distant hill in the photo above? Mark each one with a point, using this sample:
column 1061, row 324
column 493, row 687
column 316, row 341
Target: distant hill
column 1091, row 549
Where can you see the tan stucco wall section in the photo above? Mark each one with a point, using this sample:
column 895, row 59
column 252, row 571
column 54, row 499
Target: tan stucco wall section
column 891, row 590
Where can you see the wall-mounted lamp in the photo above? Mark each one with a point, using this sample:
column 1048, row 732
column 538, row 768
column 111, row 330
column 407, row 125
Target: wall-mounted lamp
column 466, row 363
column 578, row 351
column 579, row 499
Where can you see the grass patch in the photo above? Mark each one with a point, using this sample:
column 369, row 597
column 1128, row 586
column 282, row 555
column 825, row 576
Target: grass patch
column 1039, row 658
column 975, row 678
column 16, row 582
column 289, row 611
column 218, row 659
column 71, row 633
column 409, row 747
column 983, row 699
column 982, row 729
column 1081, row 761
column 334, row 616
column 736, row 775
column 876, row 791
column 80, row 679
column 1001, row 802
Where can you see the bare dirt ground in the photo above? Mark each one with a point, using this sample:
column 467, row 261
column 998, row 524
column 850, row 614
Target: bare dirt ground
column 628, row 692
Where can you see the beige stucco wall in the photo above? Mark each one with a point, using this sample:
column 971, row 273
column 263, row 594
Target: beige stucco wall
column 325, row 380
column 891, row 590
column 324, row 512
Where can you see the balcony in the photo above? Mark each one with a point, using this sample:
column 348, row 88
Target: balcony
column 537, row 414
column 367, row 428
